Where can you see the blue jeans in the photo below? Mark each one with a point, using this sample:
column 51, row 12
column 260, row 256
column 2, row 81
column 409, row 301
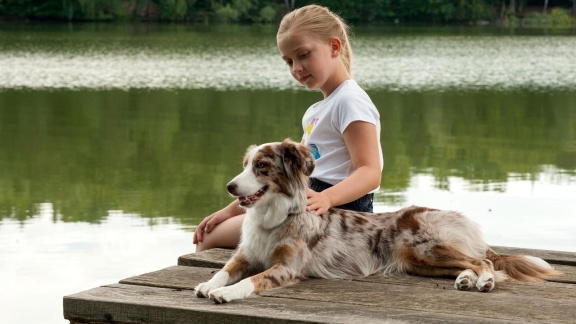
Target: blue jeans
column 362, row 204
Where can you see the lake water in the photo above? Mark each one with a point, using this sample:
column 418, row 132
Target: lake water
column 116, row 140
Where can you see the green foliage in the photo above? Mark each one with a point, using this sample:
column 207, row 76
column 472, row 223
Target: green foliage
column 412, row 10
column 557, row 18
column 226, row 14
column 512, row 21
column 97, row 9
column 175, row 10
column 250, row 11
column 242, row 6
column 267, row 14
column 560, row 17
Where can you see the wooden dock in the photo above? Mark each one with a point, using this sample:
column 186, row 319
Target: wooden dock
column 167, row 296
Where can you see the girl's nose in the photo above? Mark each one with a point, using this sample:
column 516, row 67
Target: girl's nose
column 296, row 67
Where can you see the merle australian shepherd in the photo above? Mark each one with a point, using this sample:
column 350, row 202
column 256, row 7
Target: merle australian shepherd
column 282, row 243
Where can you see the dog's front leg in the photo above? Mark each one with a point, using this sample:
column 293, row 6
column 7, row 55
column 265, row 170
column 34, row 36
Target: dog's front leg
column 230, row 274
column 284, row 272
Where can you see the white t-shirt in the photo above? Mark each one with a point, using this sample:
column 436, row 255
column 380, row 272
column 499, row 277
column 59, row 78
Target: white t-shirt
column 325, row 122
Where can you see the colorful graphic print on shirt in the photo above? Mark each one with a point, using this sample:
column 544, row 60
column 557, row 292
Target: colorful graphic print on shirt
column 313, row 147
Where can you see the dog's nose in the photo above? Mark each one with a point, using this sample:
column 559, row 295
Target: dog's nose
column 231, row 187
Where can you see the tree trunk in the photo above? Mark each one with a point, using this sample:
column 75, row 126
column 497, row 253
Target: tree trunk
column 290, row 4
column 69, row 9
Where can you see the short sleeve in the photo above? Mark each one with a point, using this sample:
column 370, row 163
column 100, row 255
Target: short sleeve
column 354, row 106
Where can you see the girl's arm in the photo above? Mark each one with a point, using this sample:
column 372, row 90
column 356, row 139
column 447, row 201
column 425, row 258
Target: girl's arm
column 362, row 142
column 208, row 224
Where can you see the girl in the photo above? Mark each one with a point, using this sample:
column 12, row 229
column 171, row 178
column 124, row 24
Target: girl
column 342, row 130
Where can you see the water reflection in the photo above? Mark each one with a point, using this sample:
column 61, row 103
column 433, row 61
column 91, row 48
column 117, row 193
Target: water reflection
column 531, row 213
column 164, row 153
column 44, row 259
column 155, row 153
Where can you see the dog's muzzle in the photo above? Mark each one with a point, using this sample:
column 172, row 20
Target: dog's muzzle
column 247, row 201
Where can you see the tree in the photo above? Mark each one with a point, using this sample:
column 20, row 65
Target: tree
column 175, row 10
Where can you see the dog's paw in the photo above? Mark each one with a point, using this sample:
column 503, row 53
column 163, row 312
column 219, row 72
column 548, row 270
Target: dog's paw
column 226, row 294
column 466, row 280
column 219, row 280
column 221, row 295
column 203, row 289
column 240, row 290
column 485, row 282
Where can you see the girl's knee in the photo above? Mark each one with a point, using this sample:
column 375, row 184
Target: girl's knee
column 202, row 246
column 209, row 241
column 225, row 235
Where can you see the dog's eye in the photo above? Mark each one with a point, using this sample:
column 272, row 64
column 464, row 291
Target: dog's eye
column 260, row 165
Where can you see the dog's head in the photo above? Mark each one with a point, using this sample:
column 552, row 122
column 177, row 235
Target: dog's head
column 280, row 168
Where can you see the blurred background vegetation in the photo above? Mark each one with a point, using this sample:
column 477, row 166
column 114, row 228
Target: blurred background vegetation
column 527, row 13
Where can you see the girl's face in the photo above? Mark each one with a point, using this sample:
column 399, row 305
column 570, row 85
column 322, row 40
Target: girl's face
column 312, row 62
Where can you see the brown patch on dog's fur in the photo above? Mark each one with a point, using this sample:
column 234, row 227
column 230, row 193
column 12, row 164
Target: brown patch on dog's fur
column 279, row 164
column 279, row 274
column 409, row 219
column 263, row 161
column 314, row 241
column 359, row 220
column 238, row 267
column 282, row 253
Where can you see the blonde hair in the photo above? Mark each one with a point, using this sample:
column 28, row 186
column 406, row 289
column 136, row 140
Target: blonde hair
column 321, row 23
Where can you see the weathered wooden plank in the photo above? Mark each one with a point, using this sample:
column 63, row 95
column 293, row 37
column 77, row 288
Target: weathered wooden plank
column 546, row 302
column 140, row 304
column 216, row 258
column 567, row 274
column 373, row 299
column 184, row 277
column 176, row 277
column 166, row 296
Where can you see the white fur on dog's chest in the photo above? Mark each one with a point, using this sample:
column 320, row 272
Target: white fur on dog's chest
column 258, row 243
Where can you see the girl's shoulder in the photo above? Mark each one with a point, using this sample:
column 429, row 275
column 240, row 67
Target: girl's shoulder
column 351, row 94
column 350, row 90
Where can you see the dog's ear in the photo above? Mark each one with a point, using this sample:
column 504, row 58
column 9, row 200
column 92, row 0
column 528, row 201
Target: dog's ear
column 309, row 163
column 296, row 157
column 245, row 161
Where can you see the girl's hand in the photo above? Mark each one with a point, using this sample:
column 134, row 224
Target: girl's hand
column 319, row 202
column 207, row 225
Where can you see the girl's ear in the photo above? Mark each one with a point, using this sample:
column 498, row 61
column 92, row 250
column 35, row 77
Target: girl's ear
column 335, row 46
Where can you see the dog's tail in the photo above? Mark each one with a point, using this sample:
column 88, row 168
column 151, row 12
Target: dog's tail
column 521, row 267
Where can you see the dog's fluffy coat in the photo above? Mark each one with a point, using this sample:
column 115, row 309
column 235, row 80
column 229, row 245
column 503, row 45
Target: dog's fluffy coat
column 282, row 243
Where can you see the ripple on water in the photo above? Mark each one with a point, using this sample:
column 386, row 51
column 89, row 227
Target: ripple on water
column 397, row 63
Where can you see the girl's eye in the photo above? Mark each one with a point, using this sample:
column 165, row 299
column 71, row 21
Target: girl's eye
column 289, row 63
column 304, row 55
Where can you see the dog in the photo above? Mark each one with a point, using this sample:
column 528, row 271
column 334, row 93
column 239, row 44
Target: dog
column 282, row 243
